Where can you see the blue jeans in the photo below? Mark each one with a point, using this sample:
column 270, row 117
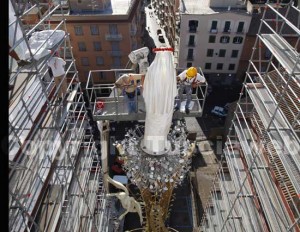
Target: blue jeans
column 188, row 91
column 130, row 104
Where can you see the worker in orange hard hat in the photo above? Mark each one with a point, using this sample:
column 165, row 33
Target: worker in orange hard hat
column 188, row 79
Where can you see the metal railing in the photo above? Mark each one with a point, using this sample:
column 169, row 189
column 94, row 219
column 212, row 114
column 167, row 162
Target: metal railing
column 112, row 101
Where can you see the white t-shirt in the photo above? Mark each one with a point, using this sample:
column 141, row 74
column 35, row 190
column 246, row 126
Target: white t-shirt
column 198, row 79
column 57, row 66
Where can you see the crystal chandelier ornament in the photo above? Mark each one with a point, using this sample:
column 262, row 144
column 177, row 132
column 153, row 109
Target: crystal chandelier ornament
column 156, row 157
column 156, row 172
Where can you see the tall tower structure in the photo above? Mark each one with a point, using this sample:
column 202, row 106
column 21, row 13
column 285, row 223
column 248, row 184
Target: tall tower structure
column 257, row 186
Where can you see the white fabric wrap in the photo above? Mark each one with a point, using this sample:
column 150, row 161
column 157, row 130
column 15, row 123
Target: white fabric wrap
column 16, row 34
column 159, row 93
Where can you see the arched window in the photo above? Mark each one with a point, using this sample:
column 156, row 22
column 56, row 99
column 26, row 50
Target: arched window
column 224, row 39
column 238, row 40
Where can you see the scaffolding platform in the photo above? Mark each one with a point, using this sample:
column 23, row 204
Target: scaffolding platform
column 283, row 51
column 285, row 141
column 114, row 105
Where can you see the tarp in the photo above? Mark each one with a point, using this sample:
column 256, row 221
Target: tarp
column 159, row 93
column 15, row 34
column 40, row 42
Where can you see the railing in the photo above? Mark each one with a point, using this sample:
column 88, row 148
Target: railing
column 112, row 104
column 115, row 53
column 113, row 37
column 213, row 31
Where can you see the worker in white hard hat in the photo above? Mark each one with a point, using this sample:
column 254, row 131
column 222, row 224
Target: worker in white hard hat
column 188, row 80
column 129, row 83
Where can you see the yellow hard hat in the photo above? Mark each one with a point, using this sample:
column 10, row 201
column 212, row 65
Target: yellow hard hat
column 191, row 72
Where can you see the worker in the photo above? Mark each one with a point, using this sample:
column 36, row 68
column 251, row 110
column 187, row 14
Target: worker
column 188, row 80
column 57, row 66
column 129, row 83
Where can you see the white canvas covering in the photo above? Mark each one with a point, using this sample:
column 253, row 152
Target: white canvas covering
column 16, row 34
column 41, row 42
column 159, row 94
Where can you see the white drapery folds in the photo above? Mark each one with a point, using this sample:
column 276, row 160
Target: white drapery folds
column 159, row 93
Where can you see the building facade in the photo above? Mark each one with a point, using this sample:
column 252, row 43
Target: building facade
column 212, row 35
column 103, row 33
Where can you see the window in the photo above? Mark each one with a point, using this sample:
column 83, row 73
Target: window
column 213, row 28
column 234, row 53
column 224, row 39
column 227, row 26
column 81, row 46
column 190, row 55
column 193, row 24
column 113, row 29
column 219, row 66
column 240, row 28
column 189, row 64
column 94, row 29
column 117, row 62
column 237, row 40
column 99, row 60
column 212, row 39
column 115, row 46
column 192, row 40
column 101, row 75
column 207, row 66
column 210, row 52
column 78, row 30
column 85, row 61
column 231, row 66
column 97, row 46
column 222, row 53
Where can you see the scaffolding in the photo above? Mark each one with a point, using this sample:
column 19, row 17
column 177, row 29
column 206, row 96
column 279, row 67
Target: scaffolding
column 55, row 177
column 257, row 187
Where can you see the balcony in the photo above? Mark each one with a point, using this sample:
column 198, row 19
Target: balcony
column 240, row 31
column 191, row 44
column 114, row 53
column 213, row 31
column 113, row 37
column 226, row 31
